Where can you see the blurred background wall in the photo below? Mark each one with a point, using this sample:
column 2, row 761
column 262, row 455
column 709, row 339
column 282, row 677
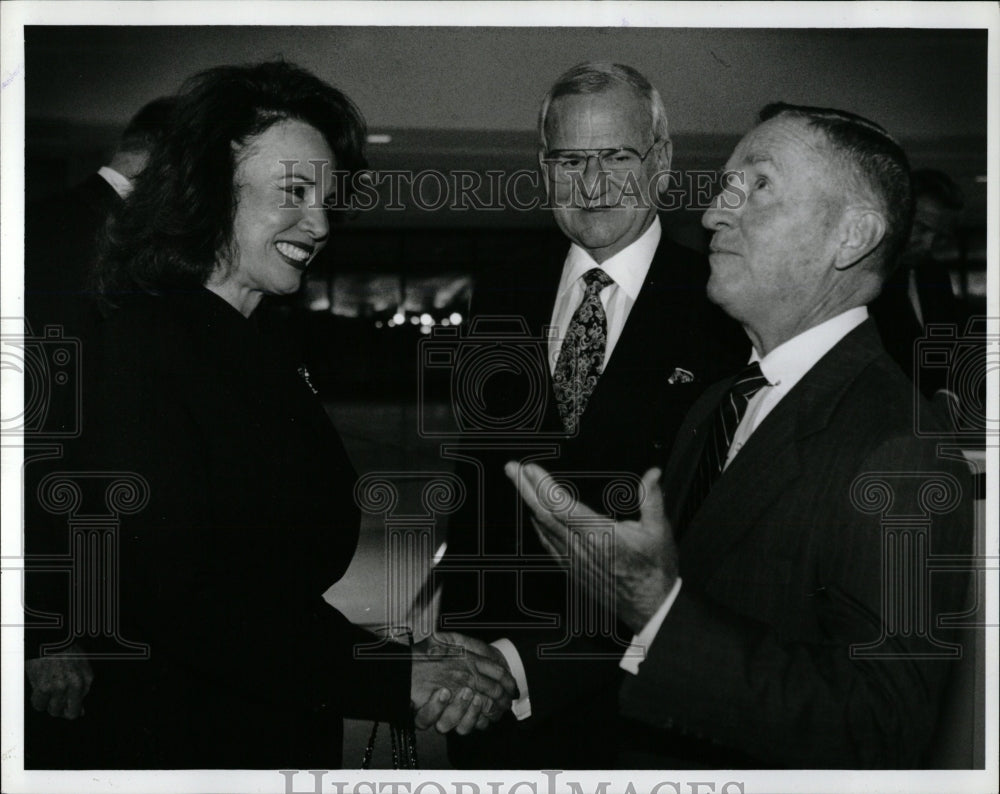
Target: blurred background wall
column 465, row 99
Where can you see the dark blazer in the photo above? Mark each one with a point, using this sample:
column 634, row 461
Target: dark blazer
column 60, row 233
column 498, row 580
column 250, row 518
column 900, row 329
column 60, row 244
column 783, row 575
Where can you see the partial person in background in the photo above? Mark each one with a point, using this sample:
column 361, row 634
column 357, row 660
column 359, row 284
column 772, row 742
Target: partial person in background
column 920, row 291
column 632, row 341
column 251, row 513
column 61, row 230
column 59, row 246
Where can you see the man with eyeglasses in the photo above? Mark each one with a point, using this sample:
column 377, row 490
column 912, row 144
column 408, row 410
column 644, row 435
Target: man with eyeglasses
column 632, row 341
column 807, row 502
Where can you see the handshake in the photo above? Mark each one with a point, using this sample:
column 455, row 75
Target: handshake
column 459, row 683
column 456, row 683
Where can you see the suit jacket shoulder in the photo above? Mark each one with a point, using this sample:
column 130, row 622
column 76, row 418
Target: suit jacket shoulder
column 781, row 647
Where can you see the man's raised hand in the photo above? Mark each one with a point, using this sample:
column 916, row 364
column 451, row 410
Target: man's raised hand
column 634, row 560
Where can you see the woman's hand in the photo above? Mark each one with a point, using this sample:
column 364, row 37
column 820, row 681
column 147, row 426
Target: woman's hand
column 459, row 683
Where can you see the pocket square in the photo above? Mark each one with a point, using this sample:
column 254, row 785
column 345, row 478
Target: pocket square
column 680, row 376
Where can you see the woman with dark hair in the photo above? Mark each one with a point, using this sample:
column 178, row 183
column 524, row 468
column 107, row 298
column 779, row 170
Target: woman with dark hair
column 249, row 512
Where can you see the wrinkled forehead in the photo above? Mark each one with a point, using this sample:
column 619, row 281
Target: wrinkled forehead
column 618, row 114
column 787, row 143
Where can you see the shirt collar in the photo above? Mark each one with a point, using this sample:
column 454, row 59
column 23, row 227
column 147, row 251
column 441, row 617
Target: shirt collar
column 122, row 184
column 628, row 267
column 788, row 362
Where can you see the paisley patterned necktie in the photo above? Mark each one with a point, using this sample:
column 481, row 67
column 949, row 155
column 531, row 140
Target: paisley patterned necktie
column 581, row 357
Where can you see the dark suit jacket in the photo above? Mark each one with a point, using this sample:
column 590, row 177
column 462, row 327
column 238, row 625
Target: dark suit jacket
column 900, row 328
column 60, row 244
column 59, row 241
column 787, row 566
column 498, row 580
column 250, row 518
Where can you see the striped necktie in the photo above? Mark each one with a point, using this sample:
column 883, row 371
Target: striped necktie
column 728, row 415
column 581, row 357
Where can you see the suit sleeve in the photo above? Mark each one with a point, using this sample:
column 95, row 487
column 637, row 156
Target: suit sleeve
column 482, row 594
column 238, row 608
column 799, row 695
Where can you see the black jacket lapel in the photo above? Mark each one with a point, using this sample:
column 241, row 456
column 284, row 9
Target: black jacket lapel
column 769, row 462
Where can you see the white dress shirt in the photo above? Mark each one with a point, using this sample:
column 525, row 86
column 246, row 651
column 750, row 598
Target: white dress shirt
column 783, row 367
column 122, row 184
column 628, row 268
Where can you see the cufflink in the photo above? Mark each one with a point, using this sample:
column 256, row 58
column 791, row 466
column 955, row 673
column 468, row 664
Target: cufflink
column 680, row 376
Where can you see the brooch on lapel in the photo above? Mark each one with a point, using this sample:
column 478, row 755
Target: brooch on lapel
column 304, row 374
column 680, row 376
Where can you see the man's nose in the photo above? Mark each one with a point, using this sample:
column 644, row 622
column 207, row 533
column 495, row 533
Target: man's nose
column 594, row 177
column 721, row 211
column 728, row 201
column 596, row 160
column 716, row 216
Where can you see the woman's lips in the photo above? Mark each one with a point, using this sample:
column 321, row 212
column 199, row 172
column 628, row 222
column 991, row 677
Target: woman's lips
column 296, row 254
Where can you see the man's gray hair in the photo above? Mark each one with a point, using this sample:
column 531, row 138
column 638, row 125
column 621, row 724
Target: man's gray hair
column 876, row 163
column 594, row 77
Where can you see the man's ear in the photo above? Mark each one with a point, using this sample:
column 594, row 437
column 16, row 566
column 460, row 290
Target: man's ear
column 664, row 155
column 861, row 231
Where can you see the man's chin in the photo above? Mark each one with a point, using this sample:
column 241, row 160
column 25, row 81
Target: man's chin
column 718, row 292
column 601, row 230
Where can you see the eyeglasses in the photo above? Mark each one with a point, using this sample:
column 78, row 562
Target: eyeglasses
column 621, row 160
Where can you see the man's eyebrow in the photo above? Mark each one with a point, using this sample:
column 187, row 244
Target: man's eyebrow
column 585, row 149
column 755, row 158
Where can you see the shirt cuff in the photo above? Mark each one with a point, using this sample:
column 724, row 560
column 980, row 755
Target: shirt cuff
column 636, row 652
column 520, row 708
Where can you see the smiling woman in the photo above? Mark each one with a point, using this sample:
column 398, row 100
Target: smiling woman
column 281, row 218
column 221, row 570
column 244, row 169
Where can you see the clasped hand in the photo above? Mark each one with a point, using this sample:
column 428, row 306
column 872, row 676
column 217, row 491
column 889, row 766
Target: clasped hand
column 459, row 683
column 60, row 682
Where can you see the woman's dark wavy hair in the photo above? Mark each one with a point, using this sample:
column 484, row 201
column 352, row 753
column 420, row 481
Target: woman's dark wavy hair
column 178, row 220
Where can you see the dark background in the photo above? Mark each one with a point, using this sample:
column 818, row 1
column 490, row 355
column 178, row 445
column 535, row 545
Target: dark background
column 466, row 99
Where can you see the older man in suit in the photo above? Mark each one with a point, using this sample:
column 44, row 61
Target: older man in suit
column 799, row 505
column 632, row 342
